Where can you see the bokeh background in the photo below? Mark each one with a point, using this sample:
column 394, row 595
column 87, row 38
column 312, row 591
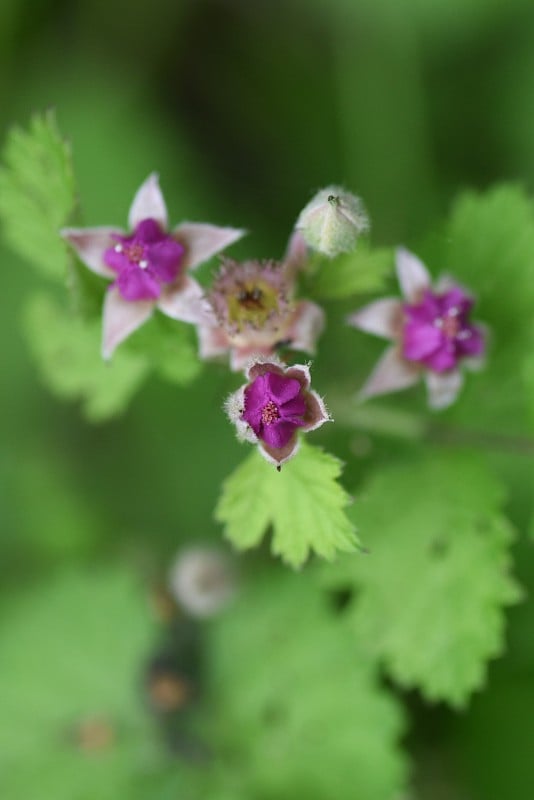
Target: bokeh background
column 244, row 107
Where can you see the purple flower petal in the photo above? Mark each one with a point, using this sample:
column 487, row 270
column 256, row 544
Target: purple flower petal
column 148, row 203
column 136, row 284
column 294, row 409
column 116, row 261
column 256, row 395
column 280, row 388
column 443, row 359
column 164, row 258
column 456, row 298
column 278, row 434
column 148, row 231
column 420, row 340
column 471, row 341
column 426, row 311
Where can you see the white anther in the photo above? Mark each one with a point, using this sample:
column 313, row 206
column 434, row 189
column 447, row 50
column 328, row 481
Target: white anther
column 438, row 322
column 118, row 248
column 464, row 335
column 454, row 311
column 143, row 264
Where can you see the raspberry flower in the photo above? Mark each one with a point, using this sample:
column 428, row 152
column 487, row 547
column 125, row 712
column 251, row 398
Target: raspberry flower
column 149, row 265
column 253, row 305
column 432, row 334
column 270, row 409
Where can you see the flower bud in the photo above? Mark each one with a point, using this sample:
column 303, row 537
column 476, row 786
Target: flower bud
column 332, row 221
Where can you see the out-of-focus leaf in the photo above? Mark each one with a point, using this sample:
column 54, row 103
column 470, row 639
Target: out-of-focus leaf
column 364, row 270
column 304, row 503
column 37, row 194
column 431, row 595
column 73, row 722
column 67, row 349
column 300, row 709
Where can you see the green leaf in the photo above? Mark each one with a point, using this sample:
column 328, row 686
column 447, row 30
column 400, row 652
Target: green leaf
column 171, row 348
column 73, row 651
column 37, row 194
column 431, row 595
column 488, row 243
column 364, row 270
column 303, row 502
column 299, row 708
column 67, row 350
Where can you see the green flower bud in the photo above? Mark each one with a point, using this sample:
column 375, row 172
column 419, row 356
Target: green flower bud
column 332, row 221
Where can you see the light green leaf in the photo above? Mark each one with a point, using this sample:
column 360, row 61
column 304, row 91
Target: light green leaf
column 67, row 349
column 37, row 194
column 431, row 595
column 73, row 651
column 364, row 270
column 299, row 707
column 303, row 502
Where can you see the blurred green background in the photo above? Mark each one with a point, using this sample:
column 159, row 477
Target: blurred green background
column 244, row 107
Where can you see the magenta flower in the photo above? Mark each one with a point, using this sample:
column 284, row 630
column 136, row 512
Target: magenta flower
column 255, row 311
column 432, row 334
column 275, row 403
column 149, row 266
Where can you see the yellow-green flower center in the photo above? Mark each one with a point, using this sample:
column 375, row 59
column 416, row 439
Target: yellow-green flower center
column 252, row 304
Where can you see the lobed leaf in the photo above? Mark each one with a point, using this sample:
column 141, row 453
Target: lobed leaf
column 299, row 706
column 303, row 502
column 67, row 349
column 431, row 595
column 37, row 194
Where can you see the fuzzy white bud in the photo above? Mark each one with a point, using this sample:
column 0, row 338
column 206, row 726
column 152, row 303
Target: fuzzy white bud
column 332, row 221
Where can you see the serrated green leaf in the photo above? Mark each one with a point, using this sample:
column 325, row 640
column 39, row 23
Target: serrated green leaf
column 299, row 707
column 364, row 270
column 303, row 502
column 171, row 348
column 431, row 594
column 67, row 349
column 37, row 194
